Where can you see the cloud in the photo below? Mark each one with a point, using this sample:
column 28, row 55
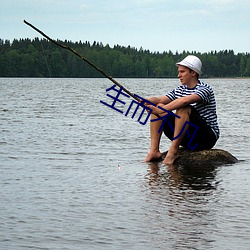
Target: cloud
column 149, row 2
column 222, row 2
column 83, row 6
column 225, row 5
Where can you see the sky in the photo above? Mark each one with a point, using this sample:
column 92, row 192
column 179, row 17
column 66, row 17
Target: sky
column 155, row 25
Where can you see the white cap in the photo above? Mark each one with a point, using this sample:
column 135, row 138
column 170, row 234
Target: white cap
column 191, row 62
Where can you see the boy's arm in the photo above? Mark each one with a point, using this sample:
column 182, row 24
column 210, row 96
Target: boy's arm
column 176, row 104
column 182, row 102
column 159, row 100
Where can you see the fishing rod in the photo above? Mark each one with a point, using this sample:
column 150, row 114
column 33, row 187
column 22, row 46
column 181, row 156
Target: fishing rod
column 83, row 58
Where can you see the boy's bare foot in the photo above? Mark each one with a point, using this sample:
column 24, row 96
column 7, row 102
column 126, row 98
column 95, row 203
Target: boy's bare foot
column 153, row 156
column 171, row 156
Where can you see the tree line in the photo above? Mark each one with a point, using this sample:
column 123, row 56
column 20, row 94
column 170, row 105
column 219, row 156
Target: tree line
column 40, row 58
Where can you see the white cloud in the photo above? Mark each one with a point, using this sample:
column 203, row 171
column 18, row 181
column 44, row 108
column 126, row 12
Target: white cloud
column 83, row 6
column 149, row 2
column 221, row 2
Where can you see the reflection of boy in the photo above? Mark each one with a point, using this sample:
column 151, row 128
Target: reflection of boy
column 194, row 102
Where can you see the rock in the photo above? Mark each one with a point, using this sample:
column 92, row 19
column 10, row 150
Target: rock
column 213, row 157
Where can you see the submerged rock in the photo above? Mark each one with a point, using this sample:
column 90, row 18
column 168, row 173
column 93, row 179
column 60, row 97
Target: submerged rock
column 204, row 157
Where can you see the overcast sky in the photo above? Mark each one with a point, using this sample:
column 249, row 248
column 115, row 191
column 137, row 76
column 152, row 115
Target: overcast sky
column 157, row 25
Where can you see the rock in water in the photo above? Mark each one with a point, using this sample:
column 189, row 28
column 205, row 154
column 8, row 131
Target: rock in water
column 204, row 157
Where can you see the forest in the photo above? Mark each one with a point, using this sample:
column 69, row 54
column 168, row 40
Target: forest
column 41, row 58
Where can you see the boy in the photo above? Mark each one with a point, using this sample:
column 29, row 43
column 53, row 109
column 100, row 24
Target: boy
column 194, row 102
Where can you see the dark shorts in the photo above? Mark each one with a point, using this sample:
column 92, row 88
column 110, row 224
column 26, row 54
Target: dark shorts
column 204, row 138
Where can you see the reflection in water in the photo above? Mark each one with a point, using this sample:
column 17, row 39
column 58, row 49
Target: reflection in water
column 183, row 177
column 183, row 197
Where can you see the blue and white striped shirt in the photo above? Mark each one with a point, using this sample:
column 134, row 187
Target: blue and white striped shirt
column 206, row 108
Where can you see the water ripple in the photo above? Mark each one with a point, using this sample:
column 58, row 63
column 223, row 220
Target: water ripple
column 72, row 175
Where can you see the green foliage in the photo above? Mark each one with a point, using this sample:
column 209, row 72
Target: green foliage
column 41, row 58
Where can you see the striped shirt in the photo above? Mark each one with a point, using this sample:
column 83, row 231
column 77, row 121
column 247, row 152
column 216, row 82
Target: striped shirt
column 206, row 108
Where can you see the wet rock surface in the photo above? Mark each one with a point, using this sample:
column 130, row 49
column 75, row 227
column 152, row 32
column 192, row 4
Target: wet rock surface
column 204, row 157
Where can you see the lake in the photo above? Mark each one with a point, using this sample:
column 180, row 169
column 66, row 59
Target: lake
column 72, row 173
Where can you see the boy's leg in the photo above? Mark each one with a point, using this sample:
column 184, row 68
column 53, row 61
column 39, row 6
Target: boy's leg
column 173, row 151
column 155, row 138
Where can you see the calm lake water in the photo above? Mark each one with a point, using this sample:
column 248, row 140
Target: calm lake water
column 72, row 174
